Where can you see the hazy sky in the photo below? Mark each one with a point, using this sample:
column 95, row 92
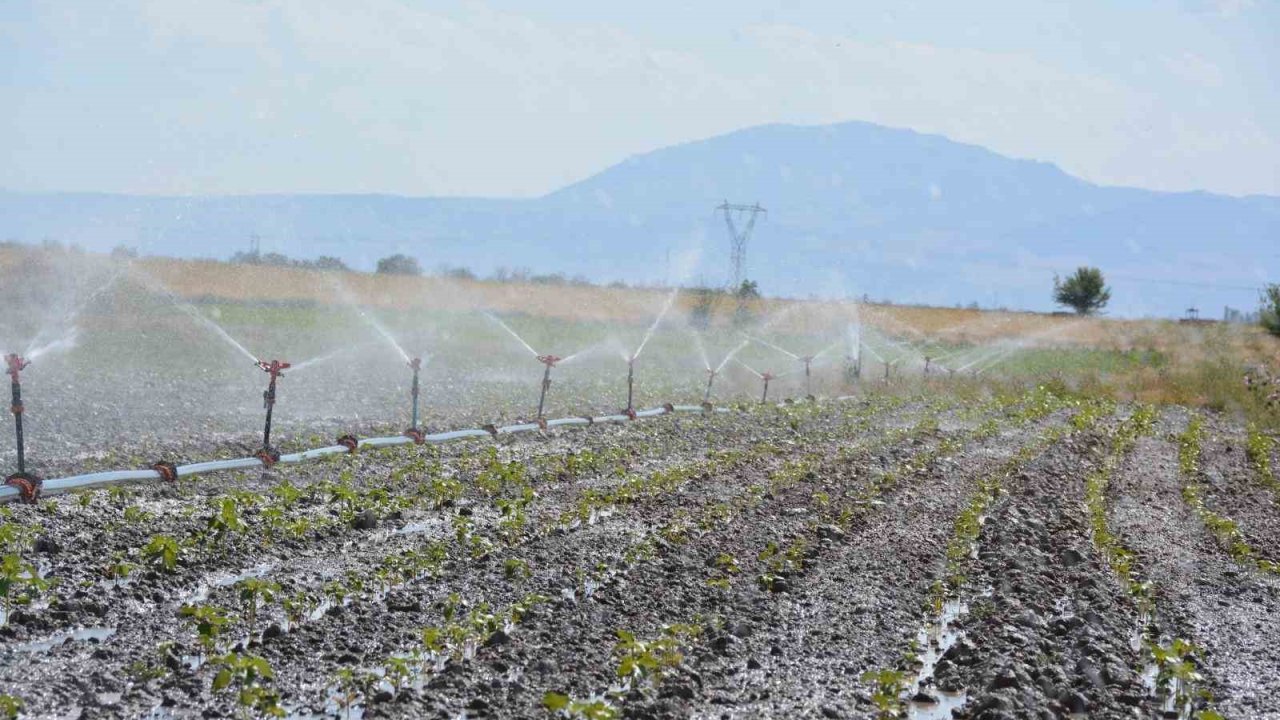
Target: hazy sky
column 518, row 98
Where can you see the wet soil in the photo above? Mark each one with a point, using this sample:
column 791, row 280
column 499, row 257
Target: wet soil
column 783, row 553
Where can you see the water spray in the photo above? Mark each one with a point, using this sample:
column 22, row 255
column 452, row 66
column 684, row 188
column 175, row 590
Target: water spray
column 275, row 369
column 414, row 431
column 28, row 485
column 550, row 361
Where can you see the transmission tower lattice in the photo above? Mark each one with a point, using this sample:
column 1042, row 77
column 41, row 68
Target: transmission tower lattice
column 738, row 239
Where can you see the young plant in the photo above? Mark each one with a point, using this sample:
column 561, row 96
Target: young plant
column 246, row 675
column 10, row 706
column 590, row 709
column 225, row 519
column 515, row 569
column 209, row 620
column 162, row 552
column 253, row 593
column 20, row 582
column 351, row 686
column 887, row 689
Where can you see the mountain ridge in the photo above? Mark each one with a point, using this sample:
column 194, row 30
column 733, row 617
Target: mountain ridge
column 853, row 208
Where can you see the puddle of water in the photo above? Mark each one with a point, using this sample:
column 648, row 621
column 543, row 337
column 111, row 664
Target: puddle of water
column 934, row 641
column 202, row 591
column 97, row 634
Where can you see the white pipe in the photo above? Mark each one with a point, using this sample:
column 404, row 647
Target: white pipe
column 58, row 486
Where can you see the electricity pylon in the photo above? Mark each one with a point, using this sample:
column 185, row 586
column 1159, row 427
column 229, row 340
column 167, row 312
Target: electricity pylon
column 738, row 239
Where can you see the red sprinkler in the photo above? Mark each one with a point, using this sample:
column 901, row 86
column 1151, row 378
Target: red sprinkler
column 275, row 369
column 766, row 377
column 28, row 485
column 550, row 361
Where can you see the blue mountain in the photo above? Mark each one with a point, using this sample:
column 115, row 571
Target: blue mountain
column 852, row 208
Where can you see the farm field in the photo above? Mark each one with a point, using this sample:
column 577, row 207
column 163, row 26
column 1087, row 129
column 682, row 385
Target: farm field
column 1002, row 554
column 1087, row 528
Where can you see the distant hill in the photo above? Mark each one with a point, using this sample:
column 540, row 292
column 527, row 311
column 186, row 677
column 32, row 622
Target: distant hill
column 854, row 208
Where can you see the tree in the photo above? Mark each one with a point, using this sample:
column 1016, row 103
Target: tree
column 1084, row 291
column 746, row 293
column 1269, row 315
column 399, row 264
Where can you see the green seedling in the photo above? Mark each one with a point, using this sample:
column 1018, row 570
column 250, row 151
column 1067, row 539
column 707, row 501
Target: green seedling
column 590, row 709
column 209, row 620
column 351, row 687
column 253, row 593
column 887, row 689
column 398, row 672
column 298, row 607
column 10, row 706
column 225, row 519
column 515, row 568
column 162, row 552
column 20, row 582
column 246, row 675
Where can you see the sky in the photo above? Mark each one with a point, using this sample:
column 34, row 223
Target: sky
column 512, row 98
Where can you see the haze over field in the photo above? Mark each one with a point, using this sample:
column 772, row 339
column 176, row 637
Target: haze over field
column 491, row 135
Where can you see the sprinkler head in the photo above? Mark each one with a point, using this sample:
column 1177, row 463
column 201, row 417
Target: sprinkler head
column 273, row 368
column 415, row 364
column 15, row 365
column 549, row 360
column 766, row 376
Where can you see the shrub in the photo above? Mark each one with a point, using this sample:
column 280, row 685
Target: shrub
column 1084, row 291
column 399, row 264
column 1269, row 315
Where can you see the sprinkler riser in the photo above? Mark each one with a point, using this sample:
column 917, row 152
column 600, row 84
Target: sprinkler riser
column 16, row 408
column 546, row 385
column 268, row 402
column 631, row 376
column 414, row 392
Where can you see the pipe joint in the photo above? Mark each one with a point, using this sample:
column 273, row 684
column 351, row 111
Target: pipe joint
column 167, row 471
column 349, row 442
column 416, row 435
column 28, row 486
column 269, row 456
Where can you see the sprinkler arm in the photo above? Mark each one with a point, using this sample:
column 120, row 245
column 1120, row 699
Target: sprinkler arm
column 275, row 368
column 15, row 366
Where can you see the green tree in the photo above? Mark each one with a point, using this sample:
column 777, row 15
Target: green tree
column 1084, row 291
column 746, row 293
column 1269, row 315
column 399, row 264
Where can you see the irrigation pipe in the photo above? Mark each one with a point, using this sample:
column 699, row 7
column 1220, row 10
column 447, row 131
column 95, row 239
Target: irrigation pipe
column 58, row 486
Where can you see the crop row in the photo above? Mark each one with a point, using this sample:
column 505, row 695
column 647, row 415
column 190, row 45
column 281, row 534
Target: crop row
column 625, row 493
column 785, row 559
column 1176, row 659
column 1224, row 529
